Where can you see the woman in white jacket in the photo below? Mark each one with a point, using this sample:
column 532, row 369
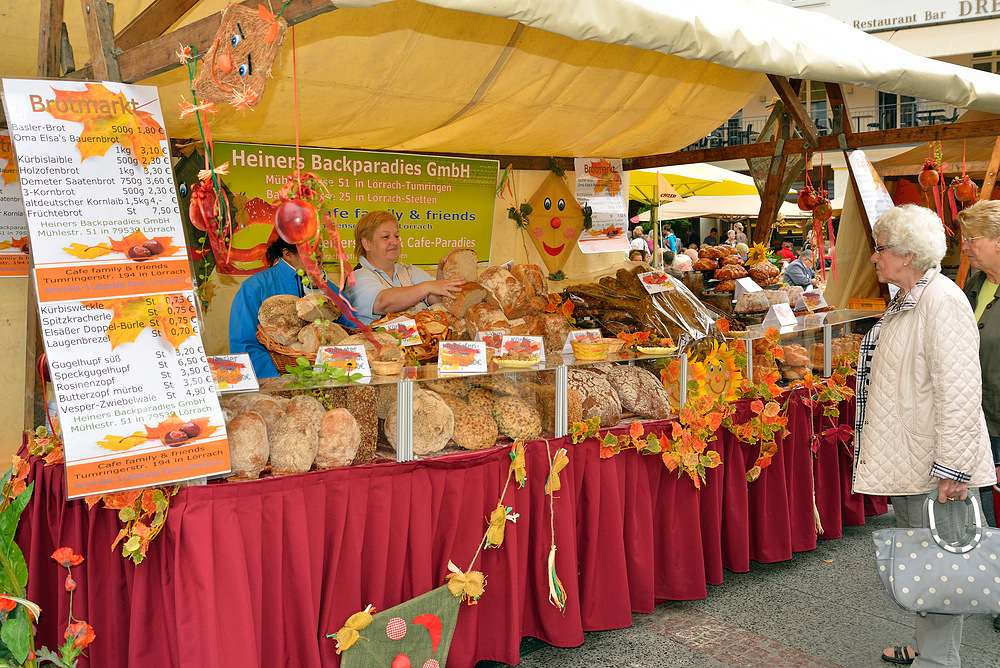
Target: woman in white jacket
column 920, row 424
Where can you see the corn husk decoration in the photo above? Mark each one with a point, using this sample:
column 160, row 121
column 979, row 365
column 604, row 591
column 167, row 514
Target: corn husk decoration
column 351, row 631
column 517, row 463
column 469, row 585
column 816, row 518
column 559, row 462
column 498, row 523
column 557, row 593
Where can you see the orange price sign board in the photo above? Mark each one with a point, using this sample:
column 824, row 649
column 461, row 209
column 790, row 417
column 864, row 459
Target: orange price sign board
column 13, row 225
column 135, row 394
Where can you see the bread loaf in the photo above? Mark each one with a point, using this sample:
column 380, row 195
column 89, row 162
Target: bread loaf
column 597, row 397
column 469, row 294
column 705, row 264
column 279, row 319
column 390, row 346
column 480, row 396
column 248, row 445
column 433, row 423
column 317, row 334
column 507, row 292
column 533, row 280
column 461, row 263
column 795, row 355
column 339, row 438
column 515, row 418
column 725, row 286
column 316, row 306
column 485, row 317
column 730, row 259
column 639, row 391
column 475, row 428
column 730, row 272
column 556, row 332
column 293, row 444
column 308, row 407
column 268, row 408
column 759, row 302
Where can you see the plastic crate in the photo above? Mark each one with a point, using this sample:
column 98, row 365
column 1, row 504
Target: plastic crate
column 866, row 304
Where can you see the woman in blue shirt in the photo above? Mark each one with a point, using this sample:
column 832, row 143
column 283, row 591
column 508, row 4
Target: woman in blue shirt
column 281, row 278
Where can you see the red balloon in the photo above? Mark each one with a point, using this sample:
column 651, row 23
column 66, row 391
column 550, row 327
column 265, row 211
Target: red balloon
column 296, row 221
column 401, row 661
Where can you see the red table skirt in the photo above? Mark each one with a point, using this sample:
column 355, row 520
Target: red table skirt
column 257, row 573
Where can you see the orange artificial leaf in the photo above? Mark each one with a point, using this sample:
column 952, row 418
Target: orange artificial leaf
column 771, row 410
column 108, row 119
column 122, row 443
column 85, row 252
column 169, row 431
column 121, row 534
column 636, row 430
column 57, row 456
column 148, row 501
column 723, row 325
column 779, row 353
column 606, row 451
column 757, row 406
column 168, row 316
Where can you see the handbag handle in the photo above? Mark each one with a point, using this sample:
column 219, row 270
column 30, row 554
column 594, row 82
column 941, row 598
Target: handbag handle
column 966, row 543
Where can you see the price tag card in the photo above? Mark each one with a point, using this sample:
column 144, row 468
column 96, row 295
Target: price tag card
column 575, row 334
column 462, row 357
column 233, row 373
column 405, row 329
column 492, row 337
column 656, row 281
column 811, row 299
column 527, row 348
column 780, row 316
column 745, row 284
column 352, row 359
column 814, row 319
column 135, row 393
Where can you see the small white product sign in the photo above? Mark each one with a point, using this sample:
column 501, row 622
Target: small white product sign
column 811, row 299
column 352, row 359
column 405, row 329
column 745, row 284
column 462, row 357
column 656, row 281
column 532, row 346
column 233, row 373
column 492, row 337
column 780, row 316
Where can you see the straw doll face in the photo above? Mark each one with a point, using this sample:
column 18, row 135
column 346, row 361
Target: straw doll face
column 555, row 223
column 239, row 61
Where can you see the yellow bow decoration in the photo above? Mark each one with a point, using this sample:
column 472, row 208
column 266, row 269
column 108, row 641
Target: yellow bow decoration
column 559, row 462
column 517, row 463
column 498, row 523
column 469, row 585
column 351, row 631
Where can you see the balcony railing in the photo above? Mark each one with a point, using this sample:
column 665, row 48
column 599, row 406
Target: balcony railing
column 745, row 130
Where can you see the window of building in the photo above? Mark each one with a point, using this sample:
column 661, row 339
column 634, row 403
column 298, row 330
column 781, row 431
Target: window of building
column 986, row 61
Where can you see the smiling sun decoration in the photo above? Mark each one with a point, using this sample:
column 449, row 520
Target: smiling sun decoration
column 555, row 223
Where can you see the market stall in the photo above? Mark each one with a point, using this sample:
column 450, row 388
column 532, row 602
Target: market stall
column 664, row 504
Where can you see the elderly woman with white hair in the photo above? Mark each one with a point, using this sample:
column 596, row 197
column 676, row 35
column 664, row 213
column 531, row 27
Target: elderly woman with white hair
column 920, row 426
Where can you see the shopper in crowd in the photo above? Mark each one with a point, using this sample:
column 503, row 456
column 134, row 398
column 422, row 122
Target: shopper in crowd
column 385, row 285
column 280, row 278
column 636, row 255
column 786, row 252
column 741, row 237
column 743, row 250
column 713, row 237
column 669, row 239
column 730, row 239
column 694, row 239
column 980, row 225
column 692, row 253
column 801, row 272
column 919, row 426
column 638, row 239
column 682, row 262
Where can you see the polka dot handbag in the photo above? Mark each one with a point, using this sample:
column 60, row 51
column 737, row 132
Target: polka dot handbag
column 924, row 573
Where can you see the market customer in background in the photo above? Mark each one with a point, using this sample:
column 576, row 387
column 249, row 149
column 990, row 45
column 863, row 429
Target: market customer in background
column 638, row 239
column 383, row 284
column 713, row 237
column 920, row 426
column 801, row 272
column 730, row 239
column 980, row 225
column 741, row 237
column 280, row 278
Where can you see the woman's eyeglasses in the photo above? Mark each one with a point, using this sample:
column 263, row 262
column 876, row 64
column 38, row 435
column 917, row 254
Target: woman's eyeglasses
column 879, row 249
column 969, row 240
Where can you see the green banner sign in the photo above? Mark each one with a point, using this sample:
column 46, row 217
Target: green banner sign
column 441, row 203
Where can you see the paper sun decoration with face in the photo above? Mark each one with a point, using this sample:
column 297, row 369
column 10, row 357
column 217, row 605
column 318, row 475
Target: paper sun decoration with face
column 239, row 61
column 555, row 223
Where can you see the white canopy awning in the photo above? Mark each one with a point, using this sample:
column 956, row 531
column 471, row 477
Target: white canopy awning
column 717, row 206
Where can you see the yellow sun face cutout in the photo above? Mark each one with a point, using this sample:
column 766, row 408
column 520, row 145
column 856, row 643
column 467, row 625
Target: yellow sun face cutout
column 555, row 223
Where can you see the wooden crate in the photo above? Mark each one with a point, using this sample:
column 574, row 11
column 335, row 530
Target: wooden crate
column 866, row 304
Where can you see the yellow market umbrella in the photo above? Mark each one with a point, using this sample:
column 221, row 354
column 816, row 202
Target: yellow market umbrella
column 700, row 178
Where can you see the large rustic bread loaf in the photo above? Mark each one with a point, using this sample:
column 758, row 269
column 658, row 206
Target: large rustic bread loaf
column 461, row 263
column 597, row 397
column 339, row 438
column 267, row 407
column 316, row 306
column 556, row 332
column 308, row 407
column 533, row 279
column 249, row 447
column 468, row 295
column 507, row 292
column 294, row 442
column 485, row 317
column 433, row 423
column 317, row 334
column 759, row 302
column 279, row 319
column 515, row 418
column 639, row 391
column 475, row 428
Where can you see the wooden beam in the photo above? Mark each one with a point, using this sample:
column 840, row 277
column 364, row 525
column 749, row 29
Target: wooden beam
column 991, row 172
column 841, row 113
column 152, row 22
column 49, row 38
column 917, row 135
column 793, row 105
column 770, row 201
column 913, row 170
column 159, row 55
column 101, row 39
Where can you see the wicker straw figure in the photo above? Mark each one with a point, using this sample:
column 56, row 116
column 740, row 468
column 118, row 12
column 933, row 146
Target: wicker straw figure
column 239, row 61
